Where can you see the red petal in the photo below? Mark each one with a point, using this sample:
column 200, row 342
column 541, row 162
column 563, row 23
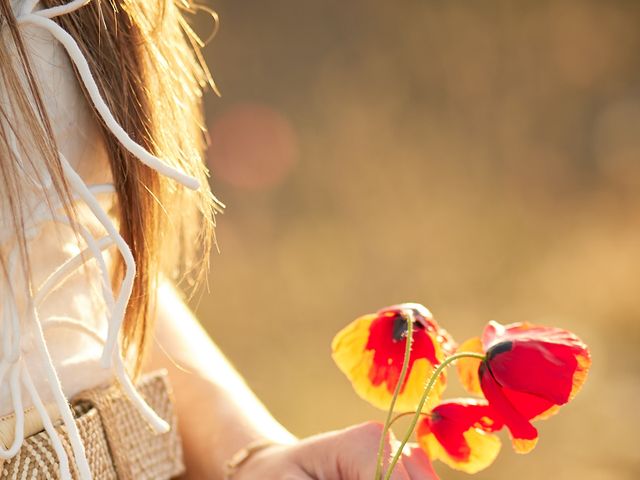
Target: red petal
column 389, row 348
column 495, row 332
column 370, row 351
column 549, row 363
column 423, row 317
column 458, row 433
column 524, row 435
column 530, row 406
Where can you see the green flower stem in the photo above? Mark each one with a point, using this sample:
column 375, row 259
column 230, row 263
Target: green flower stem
column 434, row 376
column 406, row 414
column 403, row 374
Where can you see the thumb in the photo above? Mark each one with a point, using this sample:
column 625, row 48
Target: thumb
column 348, row 454
column 399, row 472
column 418, row 465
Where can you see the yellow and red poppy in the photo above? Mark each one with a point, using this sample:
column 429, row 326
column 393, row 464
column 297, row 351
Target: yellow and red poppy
column 460, row 434
column 370, row 352
column 528, row 372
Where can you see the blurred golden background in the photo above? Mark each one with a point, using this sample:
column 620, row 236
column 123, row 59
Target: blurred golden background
column 482, row 158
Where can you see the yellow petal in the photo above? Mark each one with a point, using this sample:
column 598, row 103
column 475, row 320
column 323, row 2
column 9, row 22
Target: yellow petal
column 522, row 445
column 468, row 367
column 356, row 362
column 483, row 450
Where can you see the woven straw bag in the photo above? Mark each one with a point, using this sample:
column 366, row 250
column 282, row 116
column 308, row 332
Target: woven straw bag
column 118, row 442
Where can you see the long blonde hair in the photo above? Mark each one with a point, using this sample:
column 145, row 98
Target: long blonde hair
column 147, row 64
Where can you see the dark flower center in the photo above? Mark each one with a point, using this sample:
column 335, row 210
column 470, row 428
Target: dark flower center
column 499, row 348
column 400, row 327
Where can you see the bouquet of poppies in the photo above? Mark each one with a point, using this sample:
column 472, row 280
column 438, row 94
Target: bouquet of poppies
column 396, row 359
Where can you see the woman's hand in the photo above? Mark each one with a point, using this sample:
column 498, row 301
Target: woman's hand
column 348, row 454
column 218, row 415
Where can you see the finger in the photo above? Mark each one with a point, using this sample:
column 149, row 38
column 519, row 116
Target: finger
column 418, row 465
column 356, row 453
column 399, row 472
column 295, row 476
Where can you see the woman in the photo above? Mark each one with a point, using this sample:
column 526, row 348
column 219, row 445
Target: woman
column 102, row 183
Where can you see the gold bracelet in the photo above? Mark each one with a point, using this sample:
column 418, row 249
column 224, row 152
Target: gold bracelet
column 242, row 455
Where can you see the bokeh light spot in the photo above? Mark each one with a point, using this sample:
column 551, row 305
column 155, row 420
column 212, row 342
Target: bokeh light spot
column 252, row 147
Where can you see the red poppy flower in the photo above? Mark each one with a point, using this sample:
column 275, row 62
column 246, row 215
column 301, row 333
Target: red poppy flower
column 370, row 352
column 529, row 371
column 460, row 434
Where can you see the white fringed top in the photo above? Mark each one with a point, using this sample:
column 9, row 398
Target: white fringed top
column 65, row 337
